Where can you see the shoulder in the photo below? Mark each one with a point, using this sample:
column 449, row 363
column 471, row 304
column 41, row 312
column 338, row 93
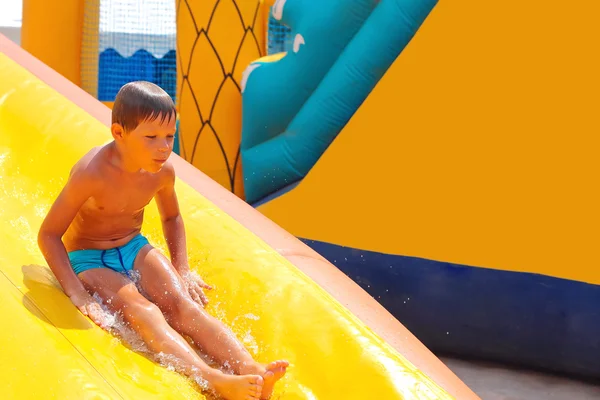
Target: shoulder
column 167, row 174
column 87, row 171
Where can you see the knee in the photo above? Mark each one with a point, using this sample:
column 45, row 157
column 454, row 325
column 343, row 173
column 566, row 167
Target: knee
column 183, row 308
column 141, row 313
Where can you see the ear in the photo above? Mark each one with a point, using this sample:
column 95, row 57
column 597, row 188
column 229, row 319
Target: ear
column 117, row 131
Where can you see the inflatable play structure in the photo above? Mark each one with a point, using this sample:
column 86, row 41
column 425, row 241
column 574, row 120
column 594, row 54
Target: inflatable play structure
column 459, row 192
column 317, row 85
column 283, row 299
column 439, row 155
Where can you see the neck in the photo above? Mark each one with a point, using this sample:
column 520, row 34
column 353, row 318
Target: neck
column 121, row 161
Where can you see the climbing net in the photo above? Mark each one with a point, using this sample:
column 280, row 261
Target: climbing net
column 203, row 31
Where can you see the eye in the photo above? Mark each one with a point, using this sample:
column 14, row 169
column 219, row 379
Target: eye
column 170, row 136
column 151, row 136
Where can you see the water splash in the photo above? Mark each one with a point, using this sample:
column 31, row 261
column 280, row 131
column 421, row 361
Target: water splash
column 125, row 335
column 252, row 316
column 250, row 343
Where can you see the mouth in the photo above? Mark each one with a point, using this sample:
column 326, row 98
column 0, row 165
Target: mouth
column 160, row 160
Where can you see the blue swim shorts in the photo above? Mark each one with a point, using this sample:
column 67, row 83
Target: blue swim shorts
column 119, row 259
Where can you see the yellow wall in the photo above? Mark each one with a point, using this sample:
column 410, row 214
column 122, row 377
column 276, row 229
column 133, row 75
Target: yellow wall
column 209, row 80
column 52, row 32
column 479, row 146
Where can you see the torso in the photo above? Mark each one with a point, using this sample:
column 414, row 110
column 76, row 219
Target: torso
column 114, row 213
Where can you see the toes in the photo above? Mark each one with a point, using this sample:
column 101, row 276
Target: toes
column 256, row 388
column 256, row 391
column 277, row 366
column 282, row 364
column 257, row 380
column 272, row 366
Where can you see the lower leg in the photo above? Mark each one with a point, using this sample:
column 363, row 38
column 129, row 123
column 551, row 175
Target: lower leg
column 120, row 295
column 166, row 289
column 162, row 339
column 219, row 342
column 210, row 334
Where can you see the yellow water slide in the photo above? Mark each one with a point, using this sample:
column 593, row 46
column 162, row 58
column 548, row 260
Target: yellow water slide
column 51, row 351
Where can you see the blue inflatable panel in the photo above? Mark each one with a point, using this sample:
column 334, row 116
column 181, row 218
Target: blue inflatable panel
column 285, row 85
column 294, row 108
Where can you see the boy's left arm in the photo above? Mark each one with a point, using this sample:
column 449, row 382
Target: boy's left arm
column 174, row 231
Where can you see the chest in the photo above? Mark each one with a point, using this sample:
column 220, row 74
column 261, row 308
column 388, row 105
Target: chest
column 122, row 196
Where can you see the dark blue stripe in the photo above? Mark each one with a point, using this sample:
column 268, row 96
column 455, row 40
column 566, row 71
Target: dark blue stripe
column 527, row 319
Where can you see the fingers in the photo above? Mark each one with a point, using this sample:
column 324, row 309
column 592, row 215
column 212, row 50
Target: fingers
column 95, row 313
column 186, row 285
column 198, row 295
column 194, row 292
column 192, row 278
column 195, row 296
column 204, row 284
column 99, row 320
column 203, row 298
column 83, row 309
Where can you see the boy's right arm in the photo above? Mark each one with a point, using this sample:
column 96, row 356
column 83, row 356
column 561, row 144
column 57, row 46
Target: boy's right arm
column 77, row 190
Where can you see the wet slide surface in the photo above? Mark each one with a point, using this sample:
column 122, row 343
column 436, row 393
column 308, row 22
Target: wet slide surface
column 50, row 350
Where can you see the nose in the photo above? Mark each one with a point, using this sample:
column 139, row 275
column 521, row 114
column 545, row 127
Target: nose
column 164, row 146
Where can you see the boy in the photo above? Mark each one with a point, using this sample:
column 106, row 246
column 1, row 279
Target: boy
column 92, row 242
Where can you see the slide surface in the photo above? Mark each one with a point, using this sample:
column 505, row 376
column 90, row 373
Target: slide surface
column 50, row 350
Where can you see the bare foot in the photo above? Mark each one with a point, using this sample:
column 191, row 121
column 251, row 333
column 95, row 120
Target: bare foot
column 234, row 387
column 275, row 371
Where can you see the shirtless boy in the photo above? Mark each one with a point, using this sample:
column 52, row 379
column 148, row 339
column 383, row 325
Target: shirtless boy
column 92, row 242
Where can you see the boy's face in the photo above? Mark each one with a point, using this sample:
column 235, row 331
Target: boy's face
column 150, row 144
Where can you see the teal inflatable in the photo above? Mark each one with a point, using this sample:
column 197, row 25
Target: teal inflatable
column 294, row 105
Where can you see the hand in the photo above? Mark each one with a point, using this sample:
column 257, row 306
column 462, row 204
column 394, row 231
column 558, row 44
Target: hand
column 91, row 308
column 194, row 285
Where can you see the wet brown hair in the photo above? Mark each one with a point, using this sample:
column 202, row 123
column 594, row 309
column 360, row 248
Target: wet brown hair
column 141, row 101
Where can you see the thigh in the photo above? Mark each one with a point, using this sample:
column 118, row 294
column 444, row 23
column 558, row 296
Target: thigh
column 115, row 290
column 158, row 278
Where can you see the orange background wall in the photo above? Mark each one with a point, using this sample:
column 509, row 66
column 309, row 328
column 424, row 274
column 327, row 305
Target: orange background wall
column 480, row 146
